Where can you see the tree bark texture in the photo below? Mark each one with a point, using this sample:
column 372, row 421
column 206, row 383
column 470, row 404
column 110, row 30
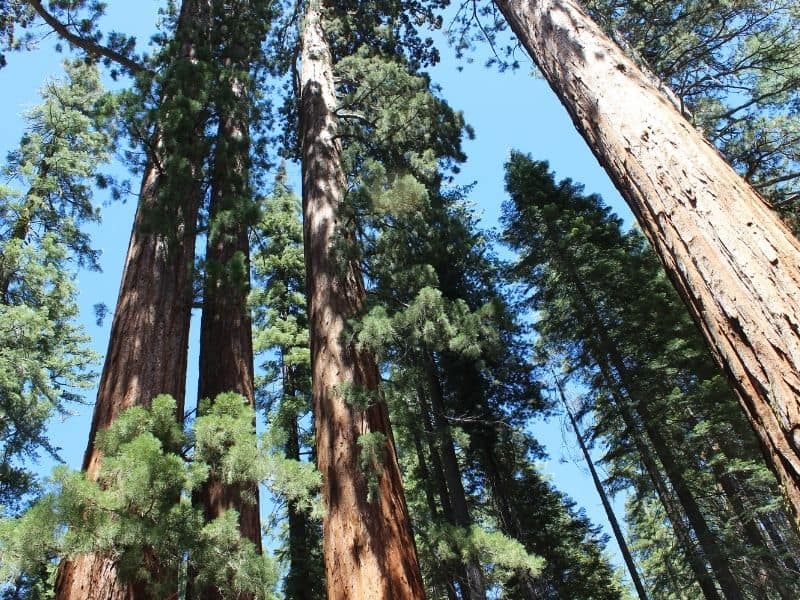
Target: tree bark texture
column 732, row 260
column 226, row 343
column 368, row 544
column 147, row 351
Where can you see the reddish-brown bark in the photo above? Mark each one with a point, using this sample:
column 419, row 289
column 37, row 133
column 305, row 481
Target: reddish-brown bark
column 147, row 351
column 734, row 263
column 226, row 345
column 368, row 544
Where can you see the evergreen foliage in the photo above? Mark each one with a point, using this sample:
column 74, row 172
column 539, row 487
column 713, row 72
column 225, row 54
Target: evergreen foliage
column 45, row 206
column 456, row 366
column 139, row 510
column 581, row 269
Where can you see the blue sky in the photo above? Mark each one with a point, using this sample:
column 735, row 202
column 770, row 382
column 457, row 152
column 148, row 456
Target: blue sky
column 510, row 110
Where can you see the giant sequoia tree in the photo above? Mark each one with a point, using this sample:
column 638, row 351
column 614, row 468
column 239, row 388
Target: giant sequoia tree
column 368, row 544
column 732, row 260
column 149, row 334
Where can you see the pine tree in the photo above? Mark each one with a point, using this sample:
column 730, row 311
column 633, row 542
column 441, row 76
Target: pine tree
column 640, row 350
column 281, row 324
column 729, row 256
column 138, row 514
column 43, row 211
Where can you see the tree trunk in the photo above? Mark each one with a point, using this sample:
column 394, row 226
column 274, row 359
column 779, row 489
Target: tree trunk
column 226, row 344
column 147, row 351
column 368, row 544
column 612, row 518
column 297, row 585
column 730, row 257
column 674, row 512
column 452, row 472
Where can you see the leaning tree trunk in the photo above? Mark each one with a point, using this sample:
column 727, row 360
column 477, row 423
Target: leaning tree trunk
column 609, row 510
column 147, row 351
column 367, row 540
column 732, row 260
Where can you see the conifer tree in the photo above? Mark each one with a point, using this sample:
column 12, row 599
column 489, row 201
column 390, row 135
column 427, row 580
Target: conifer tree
column 281, row 323
column 149, row 334
column 138, row 513
column 368, row 544
column 43, row 211
column 226, row 347
column 584, row 269
column 731, row 259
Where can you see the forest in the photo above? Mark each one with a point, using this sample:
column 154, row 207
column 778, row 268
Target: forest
column 325, row 374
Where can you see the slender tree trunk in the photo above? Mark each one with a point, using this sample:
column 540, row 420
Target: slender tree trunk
column 437, row 478
column 147, row 351
column 612, row 518
column 435, row 457
column 368, row 544
column 452, row 472
column 509, row 521
column 605, row 352
column 730, row 257
column 297, row 585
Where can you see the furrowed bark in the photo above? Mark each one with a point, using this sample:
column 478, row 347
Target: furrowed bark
column 147, row 351
column 226, row 342
column 734, row 263
column 368, row 544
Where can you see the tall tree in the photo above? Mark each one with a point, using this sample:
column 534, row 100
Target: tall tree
column 598, row 484
column 607, row 310
column 368, row 544
column 226, row 346
column 281, row 329
column 44, row 208
column 147, row 351
column 732, row 260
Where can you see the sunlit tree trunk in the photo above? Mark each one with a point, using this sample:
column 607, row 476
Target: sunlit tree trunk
column 367, row 540
column 734, row 263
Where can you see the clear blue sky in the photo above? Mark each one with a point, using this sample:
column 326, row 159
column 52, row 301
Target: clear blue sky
column 511, row 110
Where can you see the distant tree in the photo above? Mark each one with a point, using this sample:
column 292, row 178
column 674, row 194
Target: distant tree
column 607, row 311
column 45, row 205
column 281, row 335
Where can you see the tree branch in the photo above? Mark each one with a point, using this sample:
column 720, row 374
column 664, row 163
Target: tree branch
column 85, row 44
